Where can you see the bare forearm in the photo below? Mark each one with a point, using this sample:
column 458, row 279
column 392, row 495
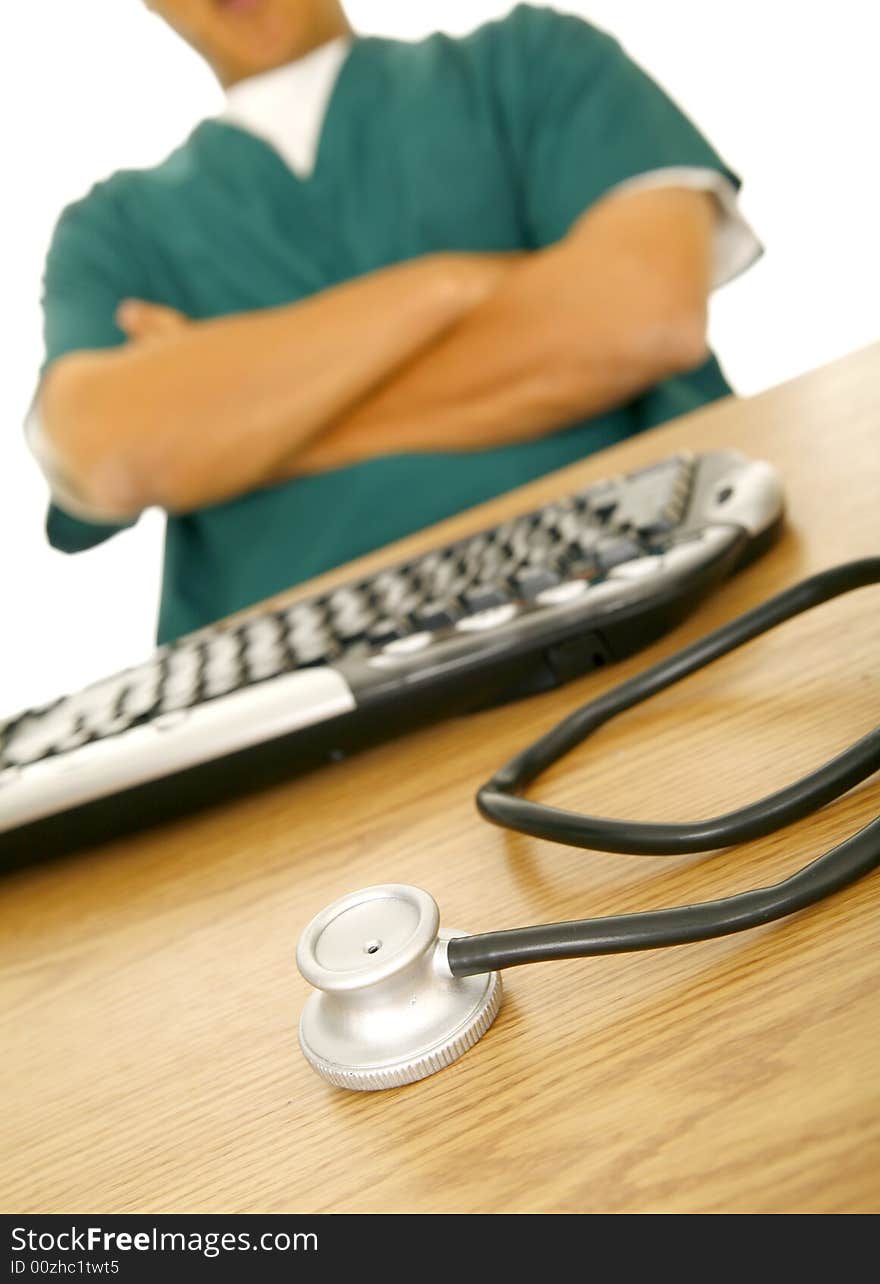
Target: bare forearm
column 211, row 410
column 497, row 378
column 574, row 330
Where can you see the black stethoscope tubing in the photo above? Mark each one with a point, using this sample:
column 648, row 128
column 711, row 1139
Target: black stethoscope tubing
column 499, row 800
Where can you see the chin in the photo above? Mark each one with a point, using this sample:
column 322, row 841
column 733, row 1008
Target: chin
column 252, row 36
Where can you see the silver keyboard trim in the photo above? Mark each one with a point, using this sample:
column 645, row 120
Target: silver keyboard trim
column 756, row 497
column 162, row 747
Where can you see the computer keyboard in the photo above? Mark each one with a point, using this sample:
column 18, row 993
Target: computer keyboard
column 514, row 610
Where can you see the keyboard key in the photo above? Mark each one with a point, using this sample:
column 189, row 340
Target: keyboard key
column 223, row 669
column 474, row 548
column 490, row 619
column 406, row 646
column 36, row 735
column 522, row 537
column 350, row 629
column 583, row 565
column 579, row 555
column 442, row 579
column 638, row 569
column 655, row 499
column 385, row 630
column 457, row 587
column 615, row 549
column 659, row 524
column 312, row 648
column 482, row 597
column 571, row 526
column 491, row 564
column 436, row 615
column 585, row 541
column 141, row 691
column 534, row 580
column 304, row 615
column 98, row 708
column 345, row 601
column 561, row 594
column 425, row 573
column 263, row 647
column 180, row 684
column 551, row 516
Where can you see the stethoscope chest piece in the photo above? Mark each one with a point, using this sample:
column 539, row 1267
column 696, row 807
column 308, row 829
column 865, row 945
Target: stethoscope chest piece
column 386, row 1009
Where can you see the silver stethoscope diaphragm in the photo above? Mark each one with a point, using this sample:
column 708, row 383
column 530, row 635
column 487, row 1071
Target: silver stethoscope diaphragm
column 386, row 1010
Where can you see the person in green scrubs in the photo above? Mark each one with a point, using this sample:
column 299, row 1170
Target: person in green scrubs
column 391, row 281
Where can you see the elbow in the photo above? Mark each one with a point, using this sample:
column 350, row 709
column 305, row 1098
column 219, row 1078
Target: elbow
column 627, row 359
column 677, row 342
column 95, row 461
column 668, row 340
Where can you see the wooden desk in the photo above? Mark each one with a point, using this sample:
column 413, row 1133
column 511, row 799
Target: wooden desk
column 150, row 994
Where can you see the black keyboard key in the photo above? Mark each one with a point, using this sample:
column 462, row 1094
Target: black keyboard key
column 484, row 596
column 436, row 615
column 534, row 580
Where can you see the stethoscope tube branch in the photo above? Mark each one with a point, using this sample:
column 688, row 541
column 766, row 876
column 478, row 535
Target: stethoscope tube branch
column 497, row 800
column 654, row 929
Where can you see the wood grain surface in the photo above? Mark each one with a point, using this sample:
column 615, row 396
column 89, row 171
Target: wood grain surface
column 149, row 995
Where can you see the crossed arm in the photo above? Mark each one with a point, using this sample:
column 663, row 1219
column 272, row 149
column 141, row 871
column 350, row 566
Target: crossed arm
column 448, row 352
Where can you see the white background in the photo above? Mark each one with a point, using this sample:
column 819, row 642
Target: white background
column 786, row 90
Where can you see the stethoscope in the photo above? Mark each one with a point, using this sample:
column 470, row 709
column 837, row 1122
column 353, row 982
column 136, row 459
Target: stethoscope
column 397, row 997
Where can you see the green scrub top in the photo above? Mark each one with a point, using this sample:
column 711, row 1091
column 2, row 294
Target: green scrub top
column 498, row 141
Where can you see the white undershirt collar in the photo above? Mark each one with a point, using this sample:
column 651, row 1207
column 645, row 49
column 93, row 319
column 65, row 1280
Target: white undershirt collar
column 286, row 106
